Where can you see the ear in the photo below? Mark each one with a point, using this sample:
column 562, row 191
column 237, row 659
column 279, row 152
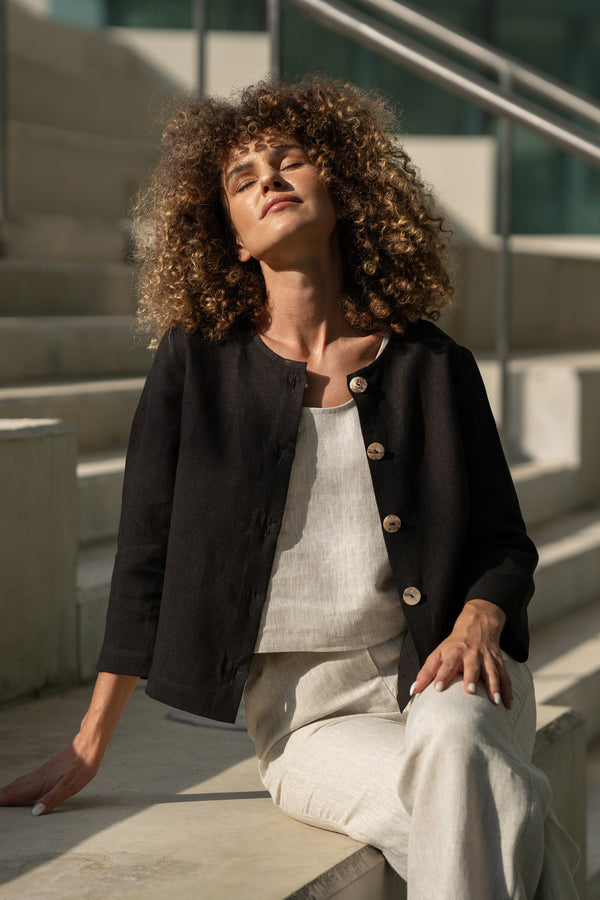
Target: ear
column 242, row 253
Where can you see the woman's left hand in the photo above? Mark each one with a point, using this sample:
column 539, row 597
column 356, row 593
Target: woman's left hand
column 473, row 649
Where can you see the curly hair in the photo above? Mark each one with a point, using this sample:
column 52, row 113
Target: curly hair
column 392, row 241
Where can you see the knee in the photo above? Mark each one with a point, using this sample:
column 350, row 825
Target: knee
column 454, row 722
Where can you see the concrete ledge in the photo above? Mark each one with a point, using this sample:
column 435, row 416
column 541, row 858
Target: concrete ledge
column 560, row 752
column 180, row 811
column 363, row 874
column 99, row 411
column 100, row 486
column 38, row 527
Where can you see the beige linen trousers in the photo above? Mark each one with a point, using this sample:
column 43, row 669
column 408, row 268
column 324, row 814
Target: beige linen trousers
column 445, row 789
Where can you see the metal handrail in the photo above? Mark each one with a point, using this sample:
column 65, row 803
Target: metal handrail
column 498, row 98
column 460, row 80
column 477, row 51
column 3, row 119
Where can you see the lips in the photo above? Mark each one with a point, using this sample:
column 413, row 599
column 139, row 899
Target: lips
column 279, row 198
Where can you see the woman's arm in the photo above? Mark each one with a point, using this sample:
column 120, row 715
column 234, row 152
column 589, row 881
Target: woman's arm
column 73, row 768
column 498, row 558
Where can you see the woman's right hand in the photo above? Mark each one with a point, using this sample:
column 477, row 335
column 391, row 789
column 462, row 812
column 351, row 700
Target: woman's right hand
column 61, row 777
column 70, row 771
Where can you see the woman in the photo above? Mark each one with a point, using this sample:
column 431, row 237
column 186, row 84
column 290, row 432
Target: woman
column 316, row 505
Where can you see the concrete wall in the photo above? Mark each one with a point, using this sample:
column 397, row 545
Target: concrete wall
column 38, row 545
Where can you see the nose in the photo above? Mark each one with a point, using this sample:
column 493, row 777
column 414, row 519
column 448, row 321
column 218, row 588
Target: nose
column 272, row 180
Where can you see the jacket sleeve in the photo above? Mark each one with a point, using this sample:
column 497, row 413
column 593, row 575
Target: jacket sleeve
column 499, row 558
column 150, row 470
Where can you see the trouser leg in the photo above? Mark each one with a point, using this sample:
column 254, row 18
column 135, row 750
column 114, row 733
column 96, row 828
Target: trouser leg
column 447, row 791
column 481, row 823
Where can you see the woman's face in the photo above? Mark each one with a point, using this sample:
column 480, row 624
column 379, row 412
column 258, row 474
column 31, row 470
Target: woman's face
column 278, row 204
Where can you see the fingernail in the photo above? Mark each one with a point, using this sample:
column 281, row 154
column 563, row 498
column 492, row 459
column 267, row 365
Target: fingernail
column 413, row 688
column 471, row 688
column 439, row 685
column 497, row 699
column 38, row 809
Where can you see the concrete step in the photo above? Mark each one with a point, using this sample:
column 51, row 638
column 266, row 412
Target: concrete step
column 568, row 574
column 49, row 347
column 544, row 280
column 65, row 288
column 56, row 171
column 94, row 570
column 62, row 94
column 45, row 40
column 545, row 490
column 99, row 487
column 553, row 417
column 99, row 411
column 46, row 237
column 565, row 661
column 136, row 829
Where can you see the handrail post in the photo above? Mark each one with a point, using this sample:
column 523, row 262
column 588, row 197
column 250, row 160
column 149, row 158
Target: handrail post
column 503, row 286
column 200, row 26
column 3, row 117
column 274, row 29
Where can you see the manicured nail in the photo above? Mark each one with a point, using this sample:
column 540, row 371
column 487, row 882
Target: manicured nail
column 439, row 685
column 413, row 688
column 471, row 688
column 38, row 809
column 497, row 699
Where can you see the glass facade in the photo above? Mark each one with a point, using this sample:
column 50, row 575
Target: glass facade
column 552, row 192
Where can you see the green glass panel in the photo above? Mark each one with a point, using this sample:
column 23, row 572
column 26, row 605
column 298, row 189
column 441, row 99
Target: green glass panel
column 236, row 15
column 88, row 13
column 149, row 13
column 553, row 192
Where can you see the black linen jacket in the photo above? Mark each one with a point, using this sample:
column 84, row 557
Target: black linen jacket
column 207, row 473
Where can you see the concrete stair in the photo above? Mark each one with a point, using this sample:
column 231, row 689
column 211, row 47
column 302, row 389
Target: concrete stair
column 37, row 288
column 99, row 411
column 50, row 237
column 554, row 284
column 41, row 348
column 81, row 105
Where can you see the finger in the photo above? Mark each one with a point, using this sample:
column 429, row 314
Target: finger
column 426, row 673
column 447, row 671
column 64, row 789
column 471, row 674
column 490, row 673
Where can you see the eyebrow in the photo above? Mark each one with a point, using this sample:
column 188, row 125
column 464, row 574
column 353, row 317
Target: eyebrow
column 248, row 164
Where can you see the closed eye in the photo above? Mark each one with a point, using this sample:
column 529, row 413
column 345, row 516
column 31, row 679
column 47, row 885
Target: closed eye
column 242, row 187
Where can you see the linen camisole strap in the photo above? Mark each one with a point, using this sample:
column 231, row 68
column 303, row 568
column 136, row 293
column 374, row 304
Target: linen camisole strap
column 331, row 585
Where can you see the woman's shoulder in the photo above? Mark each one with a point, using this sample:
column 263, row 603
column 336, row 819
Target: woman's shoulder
column 178, row 341
column 429, row 336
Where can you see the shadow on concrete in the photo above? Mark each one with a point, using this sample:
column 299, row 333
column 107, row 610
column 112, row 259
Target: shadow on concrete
column 152, row 761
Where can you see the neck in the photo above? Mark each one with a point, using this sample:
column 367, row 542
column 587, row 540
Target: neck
column 303, row 312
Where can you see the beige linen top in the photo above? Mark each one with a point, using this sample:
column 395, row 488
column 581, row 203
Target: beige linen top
column 331, row 585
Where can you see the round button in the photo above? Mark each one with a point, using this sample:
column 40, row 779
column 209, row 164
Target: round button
column 358, row 384
column 375, row 451
column 392, row 524
column 411, row 596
